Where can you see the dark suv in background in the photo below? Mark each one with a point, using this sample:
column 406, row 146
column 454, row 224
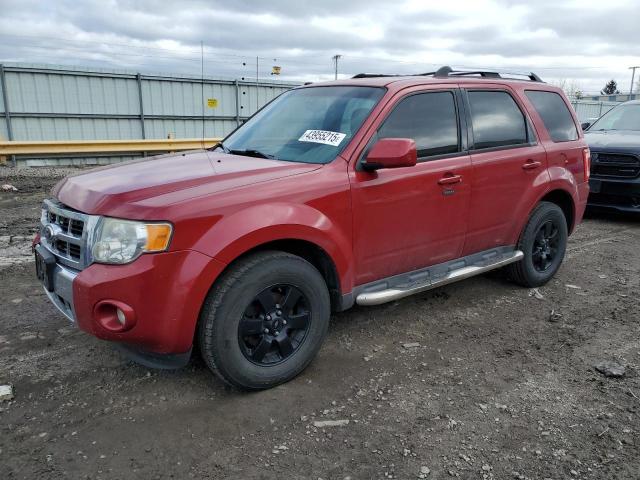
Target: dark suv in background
column 614, row 140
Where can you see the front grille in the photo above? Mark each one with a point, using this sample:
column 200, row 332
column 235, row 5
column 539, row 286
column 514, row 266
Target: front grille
column 63, row 231
column 615, row 165
column 67, row 249
column 68, row 225
column 76, row 227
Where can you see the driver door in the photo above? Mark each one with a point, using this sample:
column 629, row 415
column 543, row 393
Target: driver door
column 413, row 217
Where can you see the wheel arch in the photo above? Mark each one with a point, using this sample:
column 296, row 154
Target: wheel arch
column 312, row 253
column 564, row 200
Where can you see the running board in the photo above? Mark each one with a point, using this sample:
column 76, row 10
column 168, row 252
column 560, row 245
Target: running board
column 426, row 279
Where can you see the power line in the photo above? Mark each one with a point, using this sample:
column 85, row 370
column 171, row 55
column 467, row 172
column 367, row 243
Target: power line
column 192, row 55
column 195, row 53
column 221, row 58
column 510, row 67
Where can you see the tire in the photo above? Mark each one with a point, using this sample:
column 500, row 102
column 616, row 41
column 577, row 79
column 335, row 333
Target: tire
column 244, row 304
column 531, row 270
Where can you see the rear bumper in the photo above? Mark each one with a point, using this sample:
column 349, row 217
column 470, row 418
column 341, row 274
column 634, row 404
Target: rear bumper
column 581, row 204
column 622, row 195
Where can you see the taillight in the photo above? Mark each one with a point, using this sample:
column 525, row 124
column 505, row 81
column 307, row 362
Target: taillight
column 586, row 160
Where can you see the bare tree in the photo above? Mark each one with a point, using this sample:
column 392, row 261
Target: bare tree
column 569, row 86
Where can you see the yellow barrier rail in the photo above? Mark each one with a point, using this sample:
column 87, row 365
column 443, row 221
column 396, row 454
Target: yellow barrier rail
column 103, row 146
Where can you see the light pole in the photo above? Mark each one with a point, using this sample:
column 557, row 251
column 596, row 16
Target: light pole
column 335, row 59
column 633, row 76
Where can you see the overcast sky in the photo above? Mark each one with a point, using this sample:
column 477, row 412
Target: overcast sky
column 586, row 41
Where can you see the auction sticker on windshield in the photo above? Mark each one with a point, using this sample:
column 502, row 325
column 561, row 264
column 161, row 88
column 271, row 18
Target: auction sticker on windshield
column 322, row 136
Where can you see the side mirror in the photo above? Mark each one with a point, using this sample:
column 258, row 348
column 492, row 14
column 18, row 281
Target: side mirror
column 391, row 153
column 585, row 125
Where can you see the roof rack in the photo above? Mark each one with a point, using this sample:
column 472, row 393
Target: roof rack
column 446, row 72
column 375, row 75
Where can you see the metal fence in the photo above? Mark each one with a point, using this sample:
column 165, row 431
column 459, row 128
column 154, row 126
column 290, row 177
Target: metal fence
column 43, row 102
column 589, row 110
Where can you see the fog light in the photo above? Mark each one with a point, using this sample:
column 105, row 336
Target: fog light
column 114, row 315
column 121, row 318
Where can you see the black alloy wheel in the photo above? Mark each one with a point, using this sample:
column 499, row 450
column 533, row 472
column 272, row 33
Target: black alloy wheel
column 545, row 246
column 543, row 242
column 264, row 320
column 274, row 325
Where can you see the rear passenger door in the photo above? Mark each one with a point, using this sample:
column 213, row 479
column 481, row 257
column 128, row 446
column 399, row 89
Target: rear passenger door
column 508, row 166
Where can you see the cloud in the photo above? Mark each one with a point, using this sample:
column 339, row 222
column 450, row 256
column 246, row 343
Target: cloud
column 586, row 41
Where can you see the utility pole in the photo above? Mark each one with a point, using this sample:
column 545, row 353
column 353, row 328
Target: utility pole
column 633, row 76
column 335, row 60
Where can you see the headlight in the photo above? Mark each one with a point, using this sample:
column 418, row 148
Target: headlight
column 122, row 241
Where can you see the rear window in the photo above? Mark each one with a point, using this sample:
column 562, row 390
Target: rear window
column 555, row 115
column 496, row 120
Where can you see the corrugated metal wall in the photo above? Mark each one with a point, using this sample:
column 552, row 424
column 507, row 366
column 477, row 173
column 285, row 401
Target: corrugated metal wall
column 4, row 133
column 67, row 103
column 64, row 103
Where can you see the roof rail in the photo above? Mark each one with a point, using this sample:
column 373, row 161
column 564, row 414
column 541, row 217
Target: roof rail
column 443, row 72
column 446, row 72
column 374, row 75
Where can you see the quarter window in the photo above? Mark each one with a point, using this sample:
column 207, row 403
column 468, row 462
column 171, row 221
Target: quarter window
column 496, row 120
column 429, row 119
column 555, row 115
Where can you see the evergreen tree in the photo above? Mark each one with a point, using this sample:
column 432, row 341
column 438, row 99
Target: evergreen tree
column 611, row 88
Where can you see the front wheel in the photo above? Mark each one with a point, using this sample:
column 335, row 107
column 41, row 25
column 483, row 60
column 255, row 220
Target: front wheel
column 265, row 320
column 543, row 242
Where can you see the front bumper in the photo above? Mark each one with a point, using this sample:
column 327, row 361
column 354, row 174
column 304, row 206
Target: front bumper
column 62, row 296
column 617, row 194
column 165, row 290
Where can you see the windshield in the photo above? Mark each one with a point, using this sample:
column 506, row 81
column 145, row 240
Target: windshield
column 310, row 125
column 623, row 117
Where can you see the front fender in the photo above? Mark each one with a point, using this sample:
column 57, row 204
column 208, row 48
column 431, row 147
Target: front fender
column 241, row 231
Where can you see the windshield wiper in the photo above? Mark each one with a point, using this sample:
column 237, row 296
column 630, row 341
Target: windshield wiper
column 219, row 145
column 251, row 152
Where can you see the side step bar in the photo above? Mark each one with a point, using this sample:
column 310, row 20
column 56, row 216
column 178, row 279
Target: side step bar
column 387, row 295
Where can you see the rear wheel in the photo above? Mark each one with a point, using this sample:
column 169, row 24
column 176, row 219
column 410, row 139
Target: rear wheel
column 265, row 320
column 543, row 242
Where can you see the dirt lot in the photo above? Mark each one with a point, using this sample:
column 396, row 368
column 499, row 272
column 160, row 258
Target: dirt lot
column 499, row 386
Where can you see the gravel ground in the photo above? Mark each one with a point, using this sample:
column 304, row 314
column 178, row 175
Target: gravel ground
column 481, row 379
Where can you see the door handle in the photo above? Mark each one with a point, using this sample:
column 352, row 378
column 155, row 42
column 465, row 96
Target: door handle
column 450, row 179
column 531, row 164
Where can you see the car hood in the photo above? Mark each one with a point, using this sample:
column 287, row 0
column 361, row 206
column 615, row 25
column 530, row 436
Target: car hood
column 102, row 190
column 614, row 140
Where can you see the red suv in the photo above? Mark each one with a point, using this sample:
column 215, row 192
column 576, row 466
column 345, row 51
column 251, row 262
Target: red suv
column 358, row 191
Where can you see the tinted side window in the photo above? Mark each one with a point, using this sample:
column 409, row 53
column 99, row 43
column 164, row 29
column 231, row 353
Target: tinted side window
column 555, row 115
column 496, row 120
column 429, row 119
